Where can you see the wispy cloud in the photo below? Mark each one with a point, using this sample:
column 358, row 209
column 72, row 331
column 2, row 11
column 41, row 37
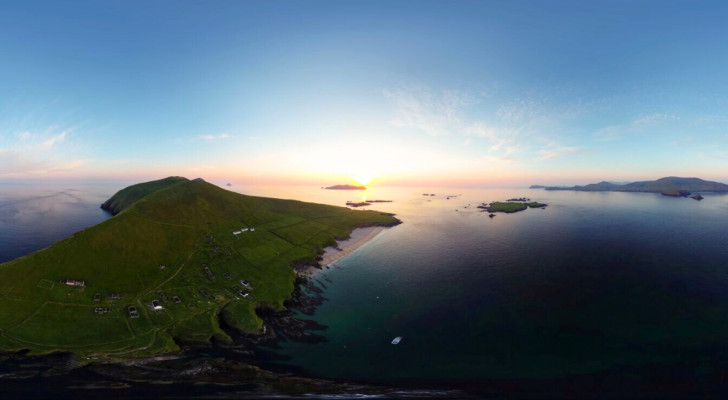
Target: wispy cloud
column 38, row 153
column 213, row 137
column 639, row 125
column 483, row 130
column 610, row 133
column 550, row 154
column 23, row 136
column 436, row 113
column 519, row 111
column 54, row 139
column 508, row 132
column 713, row 150
column 654, row 118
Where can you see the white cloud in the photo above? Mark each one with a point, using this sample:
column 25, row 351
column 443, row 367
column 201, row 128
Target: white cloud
column 499, row 160
column 639, row 125
column 519, row 111
column 435, row 113
column 53, row 140
column 213, row 137
column 481, row 130
column 654, row 118
column 502, row 141
column 609, row 133
column 23, row 136
column 550, row 154
column 513, row 131
column 38, row 153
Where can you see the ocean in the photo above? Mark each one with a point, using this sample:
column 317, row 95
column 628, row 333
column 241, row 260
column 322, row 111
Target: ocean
column 629, row 289
column 33, row 217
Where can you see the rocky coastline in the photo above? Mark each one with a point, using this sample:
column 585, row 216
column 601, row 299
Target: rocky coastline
column 245, row 366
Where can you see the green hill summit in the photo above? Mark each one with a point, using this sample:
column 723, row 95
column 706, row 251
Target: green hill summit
column 130, row 195
column 178, row 255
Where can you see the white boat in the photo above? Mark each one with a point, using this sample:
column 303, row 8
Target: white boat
column 397, row 340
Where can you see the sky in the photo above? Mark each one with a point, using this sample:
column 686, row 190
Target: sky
column 472, row 93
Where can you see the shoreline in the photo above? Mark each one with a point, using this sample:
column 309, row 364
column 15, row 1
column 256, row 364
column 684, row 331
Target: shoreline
column 358, row 238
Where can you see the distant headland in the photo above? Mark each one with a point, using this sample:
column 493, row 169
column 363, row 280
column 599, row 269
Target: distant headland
column 346, row 187
column 672, row 186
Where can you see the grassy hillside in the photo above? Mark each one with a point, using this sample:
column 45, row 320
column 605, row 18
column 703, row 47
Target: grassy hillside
column 130, row 195
column 157, row 249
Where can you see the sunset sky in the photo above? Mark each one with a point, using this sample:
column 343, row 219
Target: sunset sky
column 482, row 93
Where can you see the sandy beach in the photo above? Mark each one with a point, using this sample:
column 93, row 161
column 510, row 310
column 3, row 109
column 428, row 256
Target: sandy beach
column 359, row 237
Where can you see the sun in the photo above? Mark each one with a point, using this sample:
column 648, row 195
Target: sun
column 363, row 179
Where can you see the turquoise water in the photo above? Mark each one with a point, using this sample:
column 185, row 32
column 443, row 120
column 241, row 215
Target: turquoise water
column 594, row 282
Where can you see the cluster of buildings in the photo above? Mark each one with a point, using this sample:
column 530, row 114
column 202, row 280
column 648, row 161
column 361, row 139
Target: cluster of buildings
column 133, row 312
column 243, row 230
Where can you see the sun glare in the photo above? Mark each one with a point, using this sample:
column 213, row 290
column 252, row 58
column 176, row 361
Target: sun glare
column 363, row 179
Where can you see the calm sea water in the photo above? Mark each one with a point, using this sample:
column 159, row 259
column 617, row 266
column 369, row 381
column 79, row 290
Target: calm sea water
column 595, row 282
column 33, row 217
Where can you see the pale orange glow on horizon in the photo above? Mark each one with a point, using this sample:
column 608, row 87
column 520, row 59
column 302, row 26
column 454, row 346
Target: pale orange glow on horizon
column 371, row 164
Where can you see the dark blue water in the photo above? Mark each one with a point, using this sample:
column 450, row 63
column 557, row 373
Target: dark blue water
column 595, row 282
column 34, row 217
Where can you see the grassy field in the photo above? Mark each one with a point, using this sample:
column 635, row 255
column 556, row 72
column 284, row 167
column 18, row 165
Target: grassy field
column 506, row 207
column 156, row 249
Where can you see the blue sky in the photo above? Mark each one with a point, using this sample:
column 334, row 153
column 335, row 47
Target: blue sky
column 458, row 92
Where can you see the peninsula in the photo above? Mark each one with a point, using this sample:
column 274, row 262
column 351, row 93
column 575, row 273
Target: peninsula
column 179, row 258
column 346, row 187
column 669, row 186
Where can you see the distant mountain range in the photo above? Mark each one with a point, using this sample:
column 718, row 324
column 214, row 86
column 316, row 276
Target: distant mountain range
column 668, row 186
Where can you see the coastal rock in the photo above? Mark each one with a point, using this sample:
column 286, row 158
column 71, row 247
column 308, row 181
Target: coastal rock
column 676, row 193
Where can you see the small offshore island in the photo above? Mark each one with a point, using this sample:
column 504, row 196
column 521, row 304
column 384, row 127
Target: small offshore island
column 510, row 206
column 182, row 262
column 365, row 203
column 346, row 187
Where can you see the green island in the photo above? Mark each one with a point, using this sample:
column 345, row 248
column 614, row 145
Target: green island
column 178, row 256
column 510, row 206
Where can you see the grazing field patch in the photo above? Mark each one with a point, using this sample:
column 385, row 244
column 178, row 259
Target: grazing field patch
column 45, row 284
column 73, row 326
